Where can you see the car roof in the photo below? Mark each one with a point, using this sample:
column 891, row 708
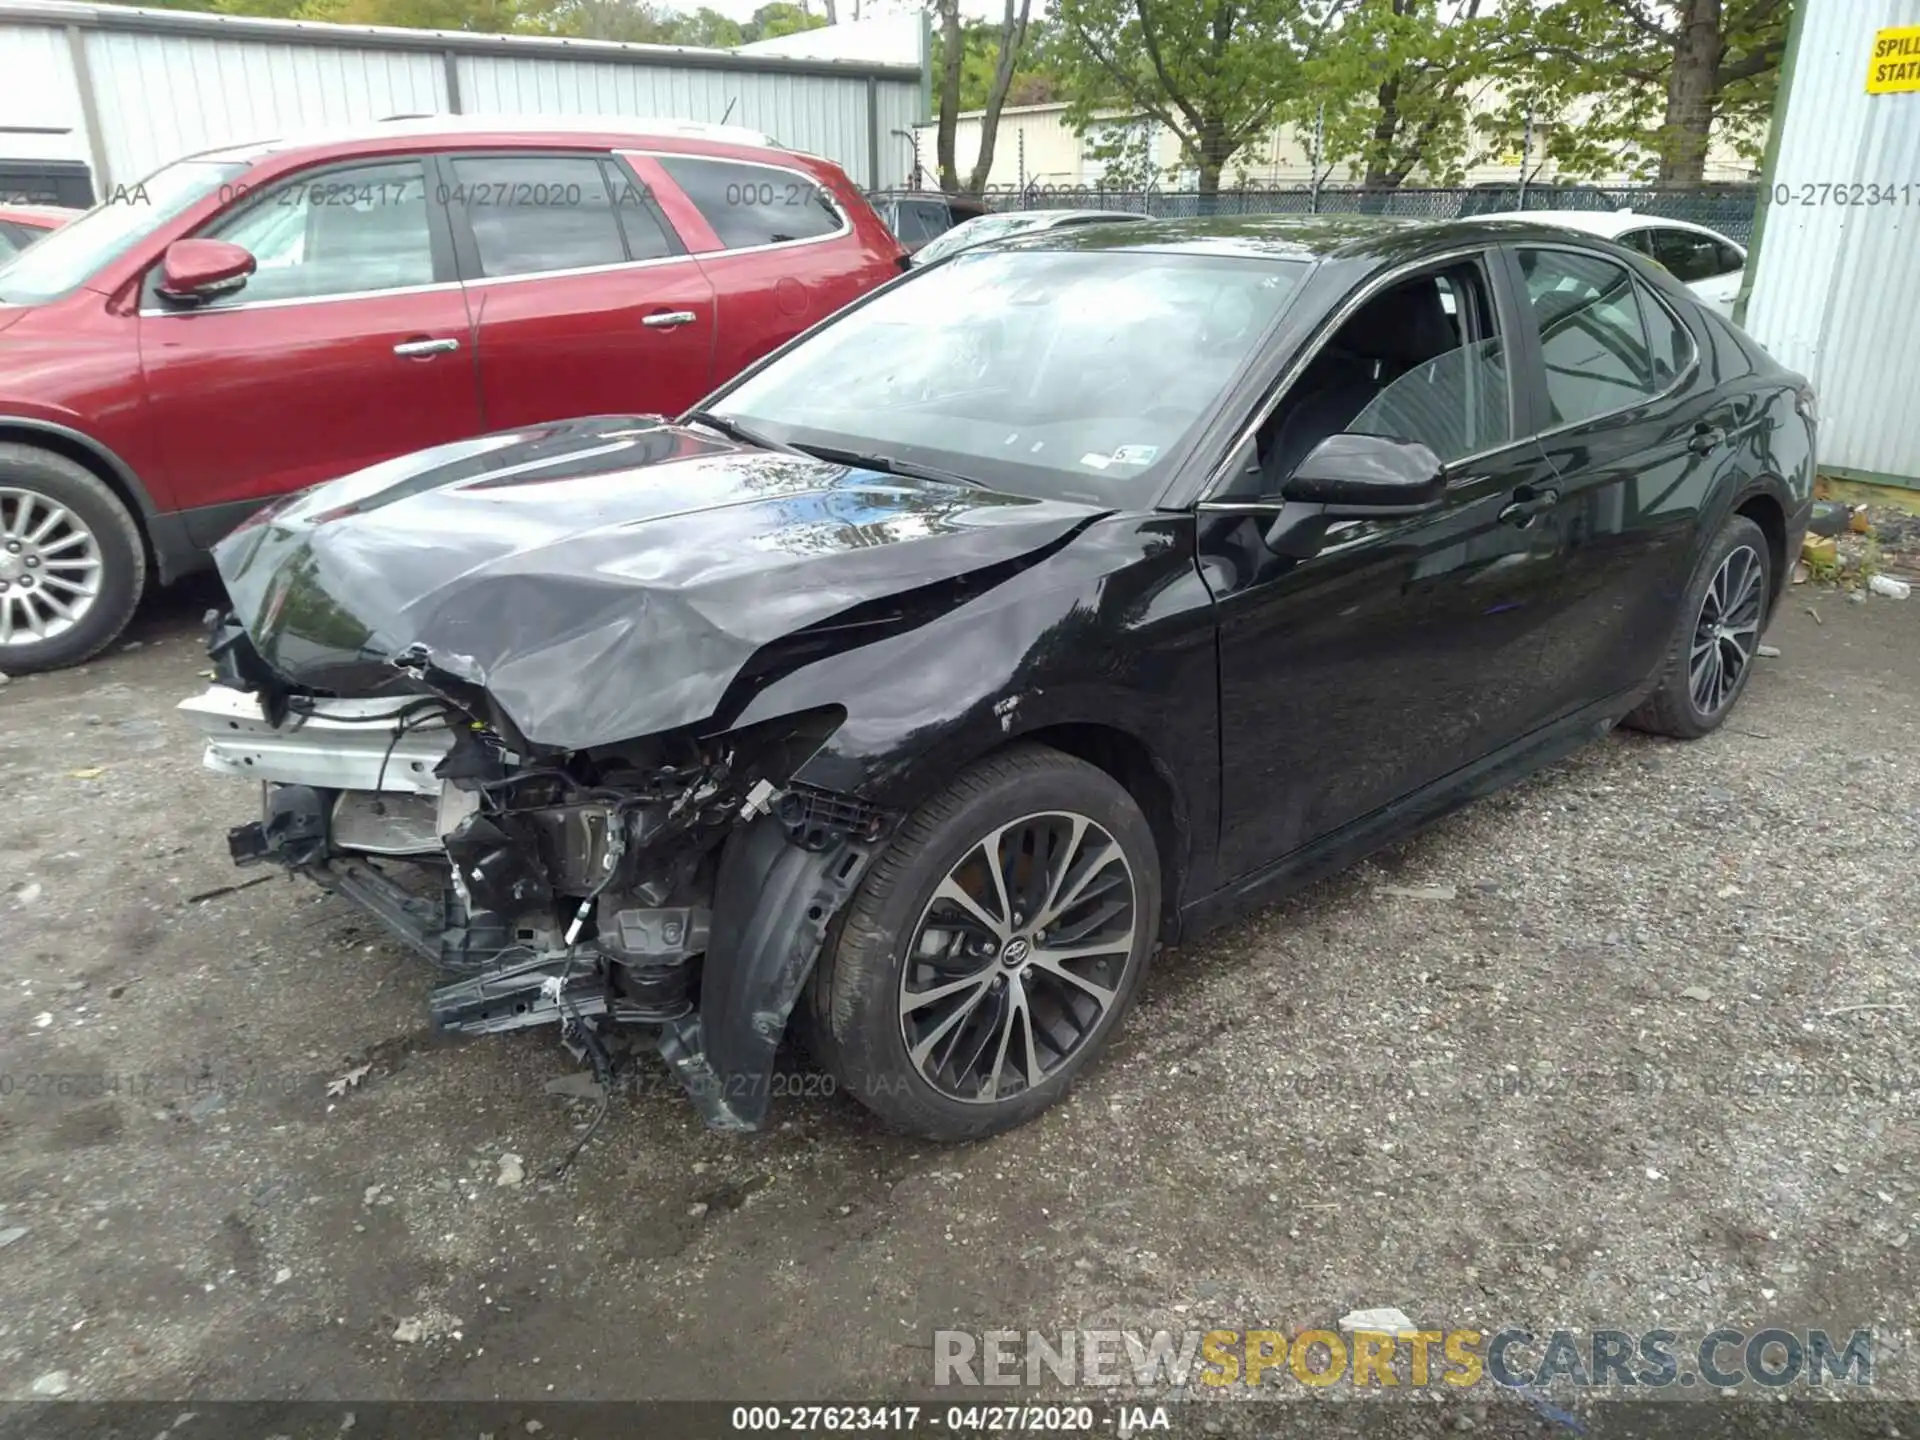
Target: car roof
column 1386, row 238
column 1611, row 224
column 612, row 129
column 39, row 214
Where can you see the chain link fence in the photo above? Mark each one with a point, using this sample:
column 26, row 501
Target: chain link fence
column 1727, row 208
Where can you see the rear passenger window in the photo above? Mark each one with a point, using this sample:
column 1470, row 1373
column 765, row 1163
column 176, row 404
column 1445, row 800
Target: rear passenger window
column 1594, row 338
column 921, row 221
column 534, row 213
column 1668, row 343
column 750, row 205
column 1689, row 256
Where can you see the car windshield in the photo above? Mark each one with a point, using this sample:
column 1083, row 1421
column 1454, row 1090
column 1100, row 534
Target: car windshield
column 1073, row 374
column 69, row 256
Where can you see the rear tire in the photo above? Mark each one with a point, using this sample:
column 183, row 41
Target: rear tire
column 71, row 562
column 1710, row 658
column 956, row 1020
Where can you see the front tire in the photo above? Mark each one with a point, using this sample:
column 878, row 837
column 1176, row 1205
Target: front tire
column 72, row 567
column 991, row 952
column 1710, row 658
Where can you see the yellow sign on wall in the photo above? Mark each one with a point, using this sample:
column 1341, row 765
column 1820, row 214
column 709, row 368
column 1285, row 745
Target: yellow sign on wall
column 1895, row 65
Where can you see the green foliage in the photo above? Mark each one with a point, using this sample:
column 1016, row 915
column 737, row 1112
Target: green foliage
column 1605, row 79
column 1394, row 80
column 1033, row 83
column 1216, row 73
column 770, row 22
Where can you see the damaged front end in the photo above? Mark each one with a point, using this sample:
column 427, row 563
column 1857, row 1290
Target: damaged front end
column 670, row 892
column 518, row 697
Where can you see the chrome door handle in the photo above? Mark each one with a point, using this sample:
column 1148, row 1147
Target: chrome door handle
column 667, row 319
column 1527, row 504
column 414, row 349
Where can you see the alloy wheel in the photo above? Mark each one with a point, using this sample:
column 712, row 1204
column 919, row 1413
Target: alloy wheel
column 50, row 567
column 1727, row 631
column 1019, row 957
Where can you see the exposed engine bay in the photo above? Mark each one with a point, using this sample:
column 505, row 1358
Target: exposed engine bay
column 670, row 892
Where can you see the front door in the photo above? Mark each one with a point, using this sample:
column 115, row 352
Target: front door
column 348, row 345
column 1359, row 668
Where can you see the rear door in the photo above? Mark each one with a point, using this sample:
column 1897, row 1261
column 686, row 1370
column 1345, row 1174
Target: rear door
column 1635, row 445
column 349, row 344
column 584, row 300
column 774, row 241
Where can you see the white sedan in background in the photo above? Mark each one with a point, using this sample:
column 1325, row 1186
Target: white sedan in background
column 1703, row 260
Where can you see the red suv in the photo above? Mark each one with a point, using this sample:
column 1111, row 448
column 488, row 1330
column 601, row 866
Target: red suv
column 257, row 319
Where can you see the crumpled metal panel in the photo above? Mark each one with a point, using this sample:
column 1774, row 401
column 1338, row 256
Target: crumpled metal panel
column 601, row 579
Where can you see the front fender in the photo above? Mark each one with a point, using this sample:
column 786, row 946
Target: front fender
column 1115, row 630
column 772, row 905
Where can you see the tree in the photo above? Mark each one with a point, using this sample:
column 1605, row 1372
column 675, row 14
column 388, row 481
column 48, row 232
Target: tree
column 487, row 16
column 1393, row 80
column 708, row 27
column 1656, row 78
column 780, row 17
column 1033, row 82
column 952, row 49
column 1214, row 72
column 1013, row 34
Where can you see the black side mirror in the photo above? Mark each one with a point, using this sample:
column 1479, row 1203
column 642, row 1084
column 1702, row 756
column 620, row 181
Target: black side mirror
column 1368, row 477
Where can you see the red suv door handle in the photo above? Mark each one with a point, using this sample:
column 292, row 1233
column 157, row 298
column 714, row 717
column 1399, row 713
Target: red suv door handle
column 668, row 319
column 425, row 349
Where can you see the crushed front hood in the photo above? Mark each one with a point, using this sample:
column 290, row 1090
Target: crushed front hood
column 601, row 579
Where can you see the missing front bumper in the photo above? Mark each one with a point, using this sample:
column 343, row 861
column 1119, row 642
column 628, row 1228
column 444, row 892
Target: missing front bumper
column 709, row 987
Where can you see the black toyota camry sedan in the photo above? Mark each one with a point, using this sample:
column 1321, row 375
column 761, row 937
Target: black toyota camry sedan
column 1056, row 601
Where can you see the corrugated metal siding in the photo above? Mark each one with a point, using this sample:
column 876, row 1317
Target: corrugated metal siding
column 166, row 85
column 164, row 96
column 39, row 89
column 1834, row 284
column 901, row 108
column 808, row 112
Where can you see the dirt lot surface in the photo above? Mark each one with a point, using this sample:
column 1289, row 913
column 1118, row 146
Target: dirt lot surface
column 1639, row 1051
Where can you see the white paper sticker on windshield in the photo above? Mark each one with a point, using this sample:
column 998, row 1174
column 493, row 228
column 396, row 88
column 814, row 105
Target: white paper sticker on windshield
column 1135, row 454
column 1096, row 460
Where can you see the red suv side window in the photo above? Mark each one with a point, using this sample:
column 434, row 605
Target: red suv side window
column 538, row 212
column 749, row 205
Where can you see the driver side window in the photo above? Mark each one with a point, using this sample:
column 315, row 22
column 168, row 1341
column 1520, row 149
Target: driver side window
column 1421, row 361
column 340, row 232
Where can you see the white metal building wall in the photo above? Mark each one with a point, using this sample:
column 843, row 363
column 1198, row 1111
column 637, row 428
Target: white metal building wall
column 164, row 96
column 138, row 88
column 809, row 112
column 1834, row 281
column 38, row 94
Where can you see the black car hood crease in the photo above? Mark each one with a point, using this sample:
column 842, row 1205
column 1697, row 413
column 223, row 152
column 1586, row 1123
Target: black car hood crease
column 602, row 579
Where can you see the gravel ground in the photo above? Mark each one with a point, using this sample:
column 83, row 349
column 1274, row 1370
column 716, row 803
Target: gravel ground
column 1647, row 1062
